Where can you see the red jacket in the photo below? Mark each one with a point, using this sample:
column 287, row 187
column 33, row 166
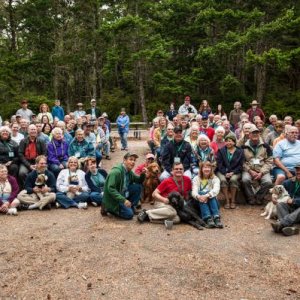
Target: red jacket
column 253, row 113
column 210, row 132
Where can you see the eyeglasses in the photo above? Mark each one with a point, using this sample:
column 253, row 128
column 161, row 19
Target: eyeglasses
column 178, row 169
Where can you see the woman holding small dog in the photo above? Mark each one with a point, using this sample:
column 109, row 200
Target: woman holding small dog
column 206, row 186
column 230, row 161
column 72, row 189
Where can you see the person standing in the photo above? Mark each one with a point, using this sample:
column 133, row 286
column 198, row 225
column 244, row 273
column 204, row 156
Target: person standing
column 255, row 111
column 122, row 189
column 234, row 115
column 93, row 111
column 24, row 112
column 79, row 112
column 58, row 111
column 187, row 107
column 123, row 128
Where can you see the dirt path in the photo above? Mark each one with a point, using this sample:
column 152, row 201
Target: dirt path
column 77, row 254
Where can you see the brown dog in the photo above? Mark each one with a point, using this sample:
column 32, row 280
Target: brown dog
column 151, row 182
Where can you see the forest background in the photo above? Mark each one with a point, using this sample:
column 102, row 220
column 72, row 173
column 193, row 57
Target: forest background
column 144, row 54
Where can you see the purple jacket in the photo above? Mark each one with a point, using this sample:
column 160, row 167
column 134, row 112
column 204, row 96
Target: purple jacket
column 57, row 152
column 14, row 189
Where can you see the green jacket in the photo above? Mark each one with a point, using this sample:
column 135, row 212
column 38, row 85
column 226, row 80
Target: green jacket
column 114, row 185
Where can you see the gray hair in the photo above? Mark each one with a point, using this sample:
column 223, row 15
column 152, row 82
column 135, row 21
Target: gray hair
column 220, row 129
column 57, row 130
column 5, row 128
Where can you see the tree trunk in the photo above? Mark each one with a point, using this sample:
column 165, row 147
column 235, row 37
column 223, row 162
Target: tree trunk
column 140, row 75
column 260, row 79
column 12, row 25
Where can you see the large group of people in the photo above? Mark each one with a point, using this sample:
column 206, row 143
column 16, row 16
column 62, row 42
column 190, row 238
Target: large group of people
column 54, row 159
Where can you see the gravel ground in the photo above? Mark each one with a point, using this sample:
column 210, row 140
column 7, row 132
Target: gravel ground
column 77, row 254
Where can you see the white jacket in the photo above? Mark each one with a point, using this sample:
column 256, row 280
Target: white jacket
column 213, row 186
column 62, row 182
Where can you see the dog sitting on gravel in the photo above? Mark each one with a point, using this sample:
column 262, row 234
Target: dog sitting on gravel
column 187, row 213
column 151, row 182
column 280, row 194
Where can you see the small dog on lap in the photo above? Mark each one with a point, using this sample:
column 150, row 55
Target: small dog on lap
column 187, row 213
column 280, row 194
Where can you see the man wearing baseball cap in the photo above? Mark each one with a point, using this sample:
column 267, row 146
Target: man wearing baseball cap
column 122, row 190
column 149, row 159
column 25, row 112
column 93, row 111
column 289, row 213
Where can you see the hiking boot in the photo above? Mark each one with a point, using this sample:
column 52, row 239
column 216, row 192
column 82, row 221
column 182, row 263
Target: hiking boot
column 218, row 222
column 136, row 211
column 143, row 216
column 251, row 201
column 103, row 211
column 210, row 223
column 107, row 157
column 277, row 227
column 288, row 231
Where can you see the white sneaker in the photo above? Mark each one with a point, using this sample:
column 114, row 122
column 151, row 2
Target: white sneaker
column 94, row 204
column 12, row 211
column 82, row 205
column 57, row 205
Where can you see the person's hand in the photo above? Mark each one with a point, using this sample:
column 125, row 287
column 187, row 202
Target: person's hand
column 145, row 171
column 290, row 201
column 202, row 198
column 72, row 189
column 166, row 201
column 33, row 167
column 258, row 176
column 8, row 163
column 61, row 166
column 289, row 175
column 37, row 189
column 229, row 175
column 253, row 173
column 127, row 203
column 45, row 189
column 4, row 207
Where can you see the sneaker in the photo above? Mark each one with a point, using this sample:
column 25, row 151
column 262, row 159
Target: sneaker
column 12, row 211
column 277, row 227
column 82, row 205
column 108, row 157
column 210, row 223
column 94, row 204
column 57, row 205
column 136, row 211
column 288, row 231
column 143, row 217
column 23, row 206
column 218, row 222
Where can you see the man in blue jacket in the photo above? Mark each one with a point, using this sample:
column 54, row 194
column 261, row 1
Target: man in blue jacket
column 123, row 128
column 289, row 213
column 58, row 111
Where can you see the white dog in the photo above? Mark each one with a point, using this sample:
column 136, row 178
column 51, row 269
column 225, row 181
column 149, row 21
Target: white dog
column 280, row 194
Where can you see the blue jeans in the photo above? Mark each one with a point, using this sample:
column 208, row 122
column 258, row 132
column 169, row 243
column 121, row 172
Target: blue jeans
column 135, row 191
column 209, row 209
column 96, row 197
column 98, row 156
column 67, row 202
column 123, row 137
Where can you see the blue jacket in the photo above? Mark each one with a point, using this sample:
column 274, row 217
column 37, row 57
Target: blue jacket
column 236, row 163
column 58, row 111
column 123, row 120
column 31, row 178
column 57, row 152
column 290, row 187
column 85, row 148
column 90, row 183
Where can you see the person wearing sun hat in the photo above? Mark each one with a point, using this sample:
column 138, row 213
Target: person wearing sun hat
column 230, row 161
column 122, row 189
column 255, row 111
column 289, row 213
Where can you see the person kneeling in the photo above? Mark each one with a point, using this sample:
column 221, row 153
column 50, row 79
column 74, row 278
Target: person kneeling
column 122, row 189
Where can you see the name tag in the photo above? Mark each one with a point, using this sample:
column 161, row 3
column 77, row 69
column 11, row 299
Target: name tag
column 126, row 194
column 255, row 161
column 77, row 154
column 11, row 154
column 177, row 160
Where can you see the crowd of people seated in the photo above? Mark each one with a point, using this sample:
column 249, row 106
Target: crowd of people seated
column 54, row 158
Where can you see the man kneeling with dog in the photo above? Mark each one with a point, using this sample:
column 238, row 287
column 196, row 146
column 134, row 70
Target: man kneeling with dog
column 163, row 210
column 289, row 213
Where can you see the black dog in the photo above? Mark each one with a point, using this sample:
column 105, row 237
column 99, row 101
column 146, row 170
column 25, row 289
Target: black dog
column 187, row 213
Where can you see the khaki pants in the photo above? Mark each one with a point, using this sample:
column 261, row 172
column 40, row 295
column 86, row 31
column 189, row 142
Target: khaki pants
column 33, row 198
column 162, row 212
